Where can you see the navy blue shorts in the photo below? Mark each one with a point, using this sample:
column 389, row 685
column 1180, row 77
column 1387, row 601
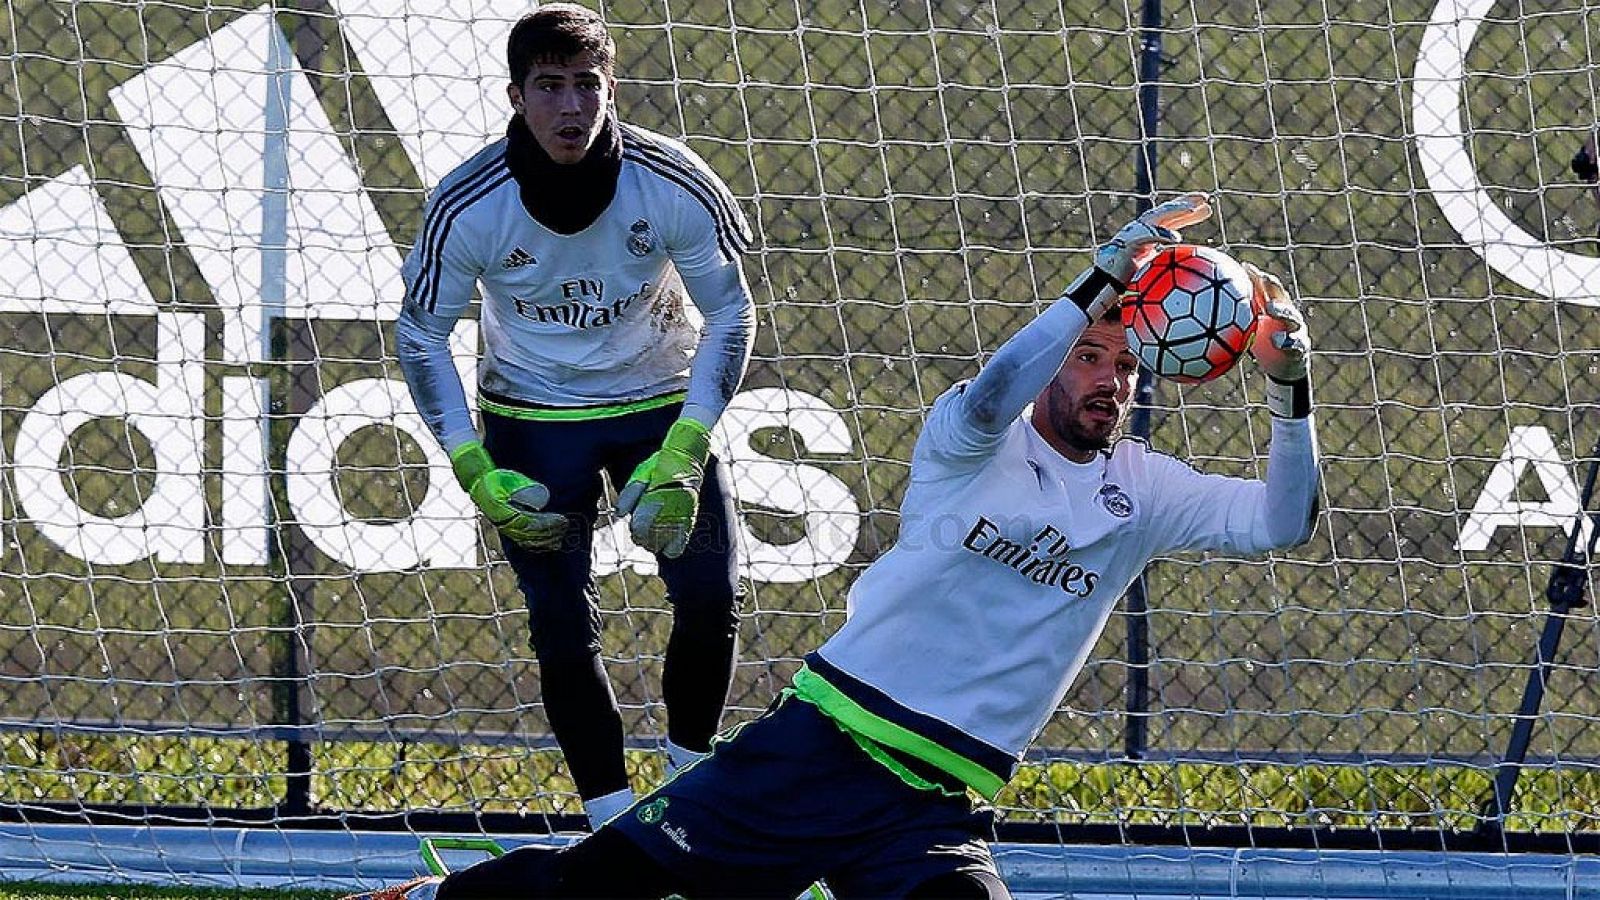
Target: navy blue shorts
column 790, row 798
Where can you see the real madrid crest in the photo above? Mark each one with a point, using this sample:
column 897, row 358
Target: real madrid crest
column 641, row 240
column 1116, row 501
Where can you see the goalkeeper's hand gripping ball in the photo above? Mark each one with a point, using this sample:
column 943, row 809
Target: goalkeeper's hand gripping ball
column 1282, row 345
column 1131, row 247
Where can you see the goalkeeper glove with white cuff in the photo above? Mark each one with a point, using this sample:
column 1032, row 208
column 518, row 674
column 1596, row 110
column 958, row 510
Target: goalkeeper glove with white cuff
column 1131, row 247
column 1281, row 347
column 664, row 492
column 511, row 501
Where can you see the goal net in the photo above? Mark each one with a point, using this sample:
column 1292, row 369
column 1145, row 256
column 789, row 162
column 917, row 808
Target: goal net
column 238, row 575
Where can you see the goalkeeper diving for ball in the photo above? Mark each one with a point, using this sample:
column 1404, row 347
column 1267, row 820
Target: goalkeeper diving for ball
column 598, row 249
column 1024, row 521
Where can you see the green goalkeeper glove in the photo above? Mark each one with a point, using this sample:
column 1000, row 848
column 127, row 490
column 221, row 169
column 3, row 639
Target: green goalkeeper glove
column 1281, row 346
column 511, row 501
column 664, row 492
column 1136, row 242
column 1116, row 261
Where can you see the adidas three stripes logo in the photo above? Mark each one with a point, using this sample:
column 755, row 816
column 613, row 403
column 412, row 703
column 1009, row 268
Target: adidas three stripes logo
column 517, row 258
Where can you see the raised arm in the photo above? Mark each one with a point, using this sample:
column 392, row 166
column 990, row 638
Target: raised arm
column 1283, row 350
column 1024, row 364
column 1201, row 511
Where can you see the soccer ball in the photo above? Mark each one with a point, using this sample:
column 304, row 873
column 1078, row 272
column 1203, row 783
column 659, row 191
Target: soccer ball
column 1188, row 313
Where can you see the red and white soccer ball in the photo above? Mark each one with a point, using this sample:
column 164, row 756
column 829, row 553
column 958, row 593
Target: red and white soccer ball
column 1188, row 313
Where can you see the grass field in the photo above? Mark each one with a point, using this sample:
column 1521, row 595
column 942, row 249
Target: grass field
column 391, row 777
column 921, row 178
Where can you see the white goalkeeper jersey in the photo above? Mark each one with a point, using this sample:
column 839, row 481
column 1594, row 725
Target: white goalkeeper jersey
column 595, row 318
column 964, row 637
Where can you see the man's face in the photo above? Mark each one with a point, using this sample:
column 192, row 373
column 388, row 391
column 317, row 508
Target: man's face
column 1080, row 411
column 563, row 103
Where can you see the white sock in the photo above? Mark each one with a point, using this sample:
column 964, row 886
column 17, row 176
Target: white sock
column 603, row 809
column 679, row 758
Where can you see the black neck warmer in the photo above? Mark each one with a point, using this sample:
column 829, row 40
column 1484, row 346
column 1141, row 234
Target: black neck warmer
column 565, row 198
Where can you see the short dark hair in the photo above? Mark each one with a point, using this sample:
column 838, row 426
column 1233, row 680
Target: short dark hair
column 558, row 31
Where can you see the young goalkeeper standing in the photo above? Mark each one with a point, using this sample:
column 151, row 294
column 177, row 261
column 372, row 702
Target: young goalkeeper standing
column 1019, row 531
column 585, row 238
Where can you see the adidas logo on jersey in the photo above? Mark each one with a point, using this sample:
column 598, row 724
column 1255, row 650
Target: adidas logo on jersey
column 517, row 258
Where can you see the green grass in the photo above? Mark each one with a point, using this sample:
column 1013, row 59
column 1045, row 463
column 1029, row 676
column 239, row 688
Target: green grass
column 389, row 777
column 904, row 231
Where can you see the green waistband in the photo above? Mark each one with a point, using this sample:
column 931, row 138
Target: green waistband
column 876, row 750
column 577, row 414
column 814, row 689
